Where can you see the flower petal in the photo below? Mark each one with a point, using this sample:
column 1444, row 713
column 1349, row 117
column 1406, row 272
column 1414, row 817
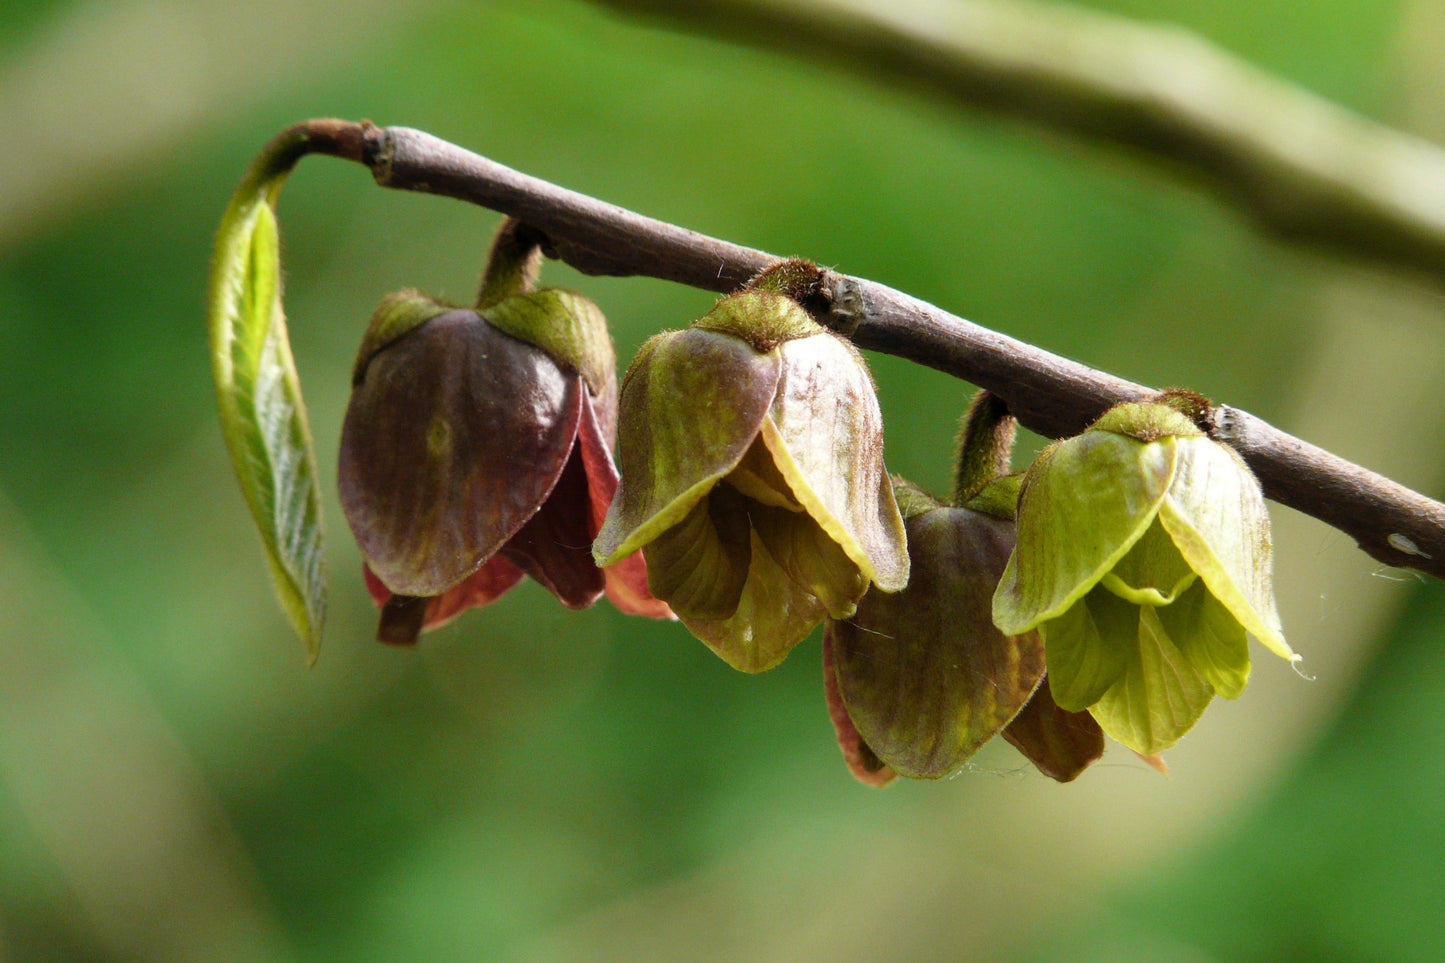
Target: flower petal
column 825, row 433
column 925, row 675
column 555, row 546
column 482, row 587
column 1211, row 638
column 453, row 439
column 691, row 405
column 1060, row 744
column 1152, row 572
column 810, row 557
column 862, row 761
column 626, row 580
column 1159, row 697
column 1084, row 504
column 1088, row 648
column 700, row 565
column 1216, row 514
column 773, row 615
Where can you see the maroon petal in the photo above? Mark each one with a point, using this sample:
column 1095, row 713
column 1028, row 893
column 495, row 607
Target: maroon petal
column 455, row 435
column 1059, row 743
column 926, row 676
column 626, row 581
column 555, row 546
column 862, row 761
column 482, row 587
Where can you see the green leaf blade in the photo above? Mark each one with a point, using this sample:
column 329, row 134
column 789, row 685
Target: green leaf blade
column 263, row 416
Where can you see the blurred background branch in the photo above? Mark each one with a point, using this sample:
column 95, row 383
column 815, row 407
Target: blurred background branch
column 1299, row 166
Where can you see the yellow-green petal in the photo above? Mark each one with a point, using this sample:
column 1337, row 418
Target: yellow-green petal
column 773, row 615
column 825, row 433
column 810, row 557
column 1153, row 572
column 700, row 565
column 1216, row 515
column 1210, row 638
column 1087, row 648
column 691, row 406
column 1084, row 504
column 1160, row 695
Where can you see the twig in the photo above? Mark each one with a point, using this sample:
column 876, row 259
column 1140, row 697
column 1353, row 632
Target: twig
column 1046, row 393
column 1302, row 168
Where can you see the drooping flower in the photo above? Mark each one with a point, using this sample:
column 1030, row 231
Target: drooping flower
column 476, row 449
column 751, row 449
column 1143, row 560
column 917, row 681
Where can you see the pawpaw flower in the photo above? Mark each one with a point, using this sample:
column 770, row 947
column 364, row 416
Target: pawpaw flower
column 475, row 450
column 1143, row 559
column 751, row 449
column 917, row 681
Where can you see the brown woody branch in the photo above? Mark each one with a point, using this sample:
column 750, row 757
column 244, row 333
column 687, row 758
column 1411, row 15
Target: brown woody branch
column 1048, row 394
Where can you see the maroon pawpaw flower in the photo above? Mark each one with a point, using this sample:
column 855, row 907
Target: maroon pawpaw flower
column 476, row 449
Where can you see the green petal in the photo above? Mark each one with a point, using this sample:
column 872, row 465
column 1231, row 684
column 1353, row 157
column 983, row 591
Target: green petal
column 1216, row 514
column 1153, row 572
column 773, row 615
column 700, row 565
column 926, row 677
column 825, row 433
column 811, row 558
column 1088, row 648
column 1159, row 697
column 1210, row 638
column 691, row 406
column 1084, row 504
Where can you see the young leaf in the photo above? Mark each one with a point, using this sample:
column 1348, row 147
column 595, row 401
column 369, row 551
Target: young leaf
column 262, row 415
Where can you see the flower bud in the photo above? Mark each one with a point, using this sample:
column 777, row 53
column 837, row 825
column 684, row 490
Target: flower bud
column 1143, row 559
column 751, row 448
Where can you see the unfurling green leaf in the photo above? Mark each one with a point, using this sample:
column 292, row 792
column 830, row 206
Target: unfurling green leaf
column 262, row 415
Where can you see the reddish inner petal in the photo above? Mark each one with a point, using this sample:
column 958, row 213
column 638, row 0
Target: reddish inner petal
column 555, row 546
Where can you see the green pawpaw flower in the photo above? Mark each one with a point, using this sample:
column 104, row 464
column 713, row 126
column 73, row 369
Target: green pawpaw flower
column 751, row 454
column 1143, row 559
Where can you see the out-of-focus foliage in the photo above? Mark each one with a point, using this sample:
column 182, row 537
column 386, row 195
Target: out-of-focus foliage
column 533, row 783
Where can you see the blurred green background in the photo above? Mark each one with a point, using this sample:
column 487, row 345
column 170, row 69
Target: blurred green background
column 534, row 784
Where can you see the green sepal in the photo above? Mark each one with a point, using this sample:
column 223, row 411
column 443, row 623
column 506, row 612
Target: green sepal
column 1146, row 421
column 566, row 325
column 263, row 416
column 999, row 498
column 764, row 319
column 398, row 313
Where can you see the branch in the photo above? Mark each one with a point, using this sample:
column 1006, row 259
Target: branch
column 1046, row 393
column 1303, row 169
